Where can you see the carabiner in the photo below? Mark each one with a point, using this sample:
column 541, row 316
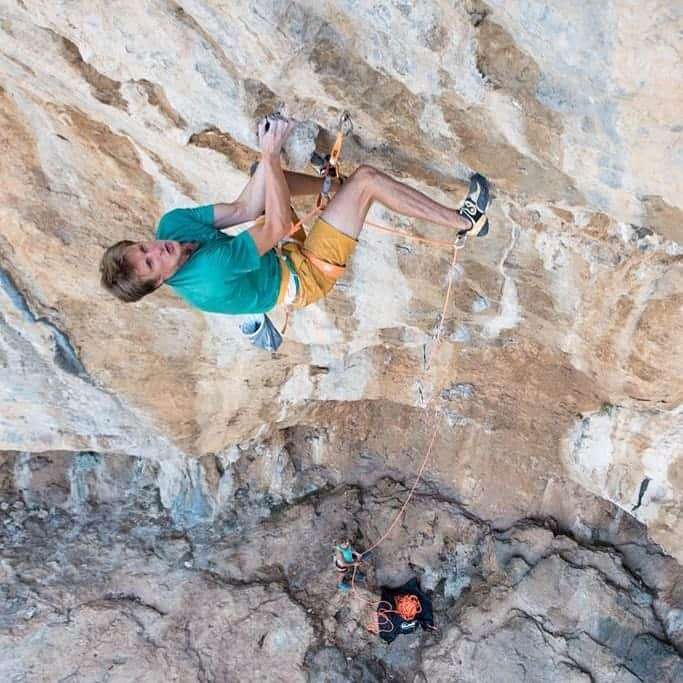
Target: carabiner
column 460, row 240
column 345, row 123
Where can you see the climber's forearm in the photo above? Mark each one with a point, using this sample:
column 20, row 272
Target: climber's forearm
column 278, row 197
column 277, row 206
column 300, row 185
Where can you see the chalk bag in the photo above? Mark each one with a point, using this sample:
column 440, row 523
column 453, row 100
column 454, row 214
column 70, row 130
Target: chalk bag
column 261, row 332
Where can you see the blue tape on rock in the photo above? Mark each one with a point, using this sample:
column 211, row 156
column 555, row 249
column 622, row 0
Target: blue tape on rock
column 261, row 332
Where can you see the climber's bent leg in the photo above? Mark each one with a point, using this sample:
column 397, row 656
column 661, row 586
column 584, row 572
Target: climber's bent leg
column 332, row 240
column 366, row 185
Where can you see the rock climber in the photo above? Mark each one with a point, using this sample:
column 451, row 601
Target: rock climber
column 345, row 560
column 244, row 274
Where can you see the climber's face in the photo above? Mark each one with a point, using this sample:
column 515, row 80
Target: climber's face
column 159, row 259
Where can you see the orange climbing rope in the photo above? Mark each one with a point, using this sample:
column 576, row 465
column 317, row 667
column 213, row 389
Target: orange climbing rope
column 407, row 606
column 435, row 343
column 414, row 238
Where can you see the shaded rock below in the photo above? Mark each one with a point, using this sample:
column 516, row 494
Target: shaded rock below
column 114, row 586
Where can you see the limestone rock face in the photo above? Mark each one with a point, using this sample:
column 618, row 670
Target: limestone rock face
column 556, row 389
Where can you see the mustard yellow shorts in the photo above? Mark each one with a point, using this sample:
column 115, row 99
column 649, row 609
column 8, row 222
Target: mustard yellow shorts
column 325, row 243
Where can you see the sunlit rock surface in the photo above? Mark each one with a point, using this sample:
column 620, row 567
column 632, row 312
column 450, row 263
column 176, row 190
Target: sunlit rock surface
column 557, row 385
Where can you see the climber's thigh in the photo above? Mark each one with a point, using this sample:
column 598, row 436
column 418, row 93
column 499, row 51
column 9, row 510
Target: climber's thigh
column 349, row 207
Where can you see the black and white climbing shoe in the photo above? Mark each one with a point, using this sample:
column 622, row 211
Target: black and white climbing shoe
column 473, row 209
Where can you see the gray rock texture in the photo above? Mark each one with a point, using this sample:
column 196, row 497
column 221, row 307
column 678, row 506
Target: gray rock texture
column 100, row 582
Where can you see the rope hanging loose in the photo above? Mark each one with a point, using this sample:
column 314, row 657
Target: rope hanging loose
column 436, row 340
column 408, row 606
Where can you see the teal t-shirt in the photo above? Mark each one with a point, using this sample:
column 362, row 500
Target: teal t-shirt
column 346, row 553
column 224, row 274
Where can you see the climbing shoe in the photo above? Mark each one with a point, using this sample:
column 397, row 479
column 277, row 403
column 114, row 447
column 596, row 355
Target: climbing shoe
column 344, row 586
column 473, row 209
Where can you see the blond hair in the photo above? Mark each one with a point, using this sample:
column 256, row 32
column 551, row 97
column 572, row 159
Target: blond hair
column 118, row 276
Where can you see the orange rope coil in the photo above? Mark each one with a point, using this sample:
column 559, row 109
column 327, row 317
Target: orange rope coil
column 407, row 607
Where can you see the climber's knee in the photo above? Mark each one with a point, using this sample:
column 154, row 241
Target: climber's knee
column 364, row 180
column 365, row 174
